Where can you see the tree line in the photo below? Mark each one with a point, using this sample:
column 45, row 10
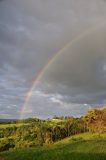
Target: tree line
column 36, row 132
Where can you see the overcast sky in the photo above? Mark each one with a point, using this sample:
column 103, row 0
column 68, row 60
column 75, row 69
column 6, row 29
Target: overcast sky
column 31, row 32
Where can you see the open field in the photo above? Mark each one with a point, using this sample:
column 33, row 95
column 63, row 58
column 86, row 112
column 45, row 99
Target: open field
column 12, row 125
column 79, row 147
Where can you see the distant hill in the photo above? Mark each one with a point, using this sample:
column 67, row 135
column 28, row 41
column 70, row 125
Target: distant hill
column 7, row 120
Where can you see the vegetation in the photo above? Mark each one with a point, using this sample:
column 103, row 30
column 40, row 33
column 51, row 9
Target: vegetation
column 84, row 146
column 34, row 133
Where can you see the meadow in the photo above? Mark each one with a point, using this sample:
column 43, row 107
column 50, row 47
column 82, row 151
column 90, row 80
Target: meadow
column 79, row 147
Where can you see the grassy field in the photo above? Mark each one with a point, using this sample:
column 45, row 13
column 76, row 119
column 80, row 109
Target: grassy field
column 12, row 125
column 80, row 147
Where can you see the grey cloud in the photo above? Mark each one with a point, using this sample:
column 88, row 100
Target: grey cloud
column 36, row 30
column 31, row 32
column 81, row 67
column 12, row 90
column 47, row 105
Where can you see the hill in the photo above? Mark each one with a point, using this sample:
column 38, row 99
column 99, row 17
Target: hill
column 84, row 146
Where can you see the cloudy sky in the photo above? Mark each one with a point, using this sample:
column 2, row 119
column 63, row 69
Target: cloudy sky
column 31, row 32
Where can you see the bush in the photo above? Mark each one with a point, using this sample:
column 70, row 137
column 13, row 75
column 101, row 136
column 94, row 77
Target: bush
column 6, row 144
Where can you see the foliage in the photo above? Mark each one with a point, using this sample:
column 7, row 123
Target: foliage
column 34, row 132
column 80, row 147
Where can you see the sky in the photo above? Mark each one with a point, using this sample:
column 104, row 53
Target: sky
column 31, row 33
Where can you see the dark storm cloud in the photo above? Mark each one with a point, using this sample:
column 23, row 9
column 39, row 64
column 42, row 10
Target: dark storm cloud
column 82, row 67
column 30, row 33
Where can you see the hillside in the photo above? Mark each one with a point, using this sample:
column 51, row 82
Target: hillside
column 84, row 146
column 35, row 132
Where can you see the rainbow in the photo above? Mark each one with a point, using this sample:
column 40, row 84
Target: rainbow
column 51, row 60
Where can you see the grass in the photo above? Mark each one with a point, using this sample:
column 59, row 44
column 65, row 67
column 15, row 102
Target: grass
column 12, row 125
column 80, row 147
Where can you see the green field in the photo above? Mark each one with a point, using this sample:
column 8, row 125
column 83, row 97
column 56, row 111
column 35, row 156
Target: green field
column 13, row 125
column 80, row 147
